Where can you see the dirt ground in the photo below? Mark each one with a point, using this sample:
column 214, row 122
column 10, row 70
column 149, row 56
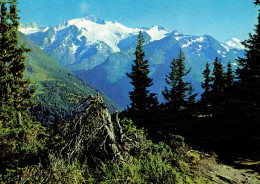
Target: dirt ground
column 242, row 171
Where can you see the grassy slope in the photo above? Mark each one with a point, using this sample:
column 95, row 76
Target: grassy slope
column 55, row 82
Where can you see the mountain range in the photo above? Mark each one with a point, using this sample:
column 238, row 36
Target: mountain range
column 101, row 52
column 55, row 85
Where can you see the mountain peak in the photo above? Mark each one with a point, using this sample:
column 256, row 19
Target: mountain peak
column 29, row 25
column 29, row 28
column 160, row 28
column 157, row 32
column 93, row 18
column 234, row 43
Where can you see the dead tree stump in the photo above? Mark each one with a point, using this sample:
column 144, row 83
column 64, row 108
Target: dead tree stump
column 90, row 131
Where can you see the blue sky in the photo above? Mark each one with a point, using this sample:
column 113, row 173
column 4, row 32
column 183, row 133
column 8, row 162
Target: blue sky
column 221, row 19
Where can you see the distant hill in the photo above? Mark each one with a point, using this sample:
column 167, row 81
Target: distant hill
column 54, row 84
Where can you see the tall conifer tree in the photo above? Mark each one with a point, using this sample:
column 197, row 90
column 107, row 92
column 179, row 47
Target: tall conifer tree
column 218, row 79
column 229, row 78
column 248, row 85
column 171, row 80
column 206, row 85
column 177, row 93
column 249, row 72
column 18, row 132
column 4, row 44
column 5, row 76
column 191, row 99
column 141, row 98
column 22, row 88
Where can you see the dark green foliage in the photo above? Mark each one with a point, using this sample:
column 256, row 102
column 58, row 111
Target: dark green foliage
column 20, row 136
column 218, row 79
column 248, row 74
column 191, row 99
column 229, row 78
column 171, row 80
column 206, row 85
column 177, row 93
column 140, row 96
column 5, row 75
column 17, row 93
column 247, row 88
column 235, row 103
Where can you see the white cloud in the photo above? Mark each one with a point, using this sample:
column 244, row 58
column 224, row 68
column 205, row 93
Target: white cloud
column 84, row 7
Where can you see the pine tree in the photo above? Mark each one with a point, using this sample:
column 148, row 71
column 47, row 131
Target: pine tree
column 171, row 80
column 22, row 88
column 140, row 96
column 5, row 76
column 18, row 132
column 229, row 78
column 4, row 43
column 191, row 95
column 218, row 81
column 206, row 85
column 249, row 72
column 178, row 88
column 247, row 89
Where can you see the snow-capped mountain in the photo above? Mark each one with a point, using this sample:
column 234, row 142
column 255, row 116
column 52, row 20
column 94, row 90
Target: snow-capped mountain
column 101, row 52
column 233, row 43
column 86, row 42
column 29, row 28
column 110, row 75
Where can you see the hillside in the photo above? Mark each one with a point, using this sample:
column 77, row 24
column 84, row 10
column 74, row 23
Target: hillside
column 54, row 84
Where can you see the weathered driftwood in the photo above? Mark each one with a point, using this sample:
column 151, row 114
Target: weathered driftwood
column 90, row 131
